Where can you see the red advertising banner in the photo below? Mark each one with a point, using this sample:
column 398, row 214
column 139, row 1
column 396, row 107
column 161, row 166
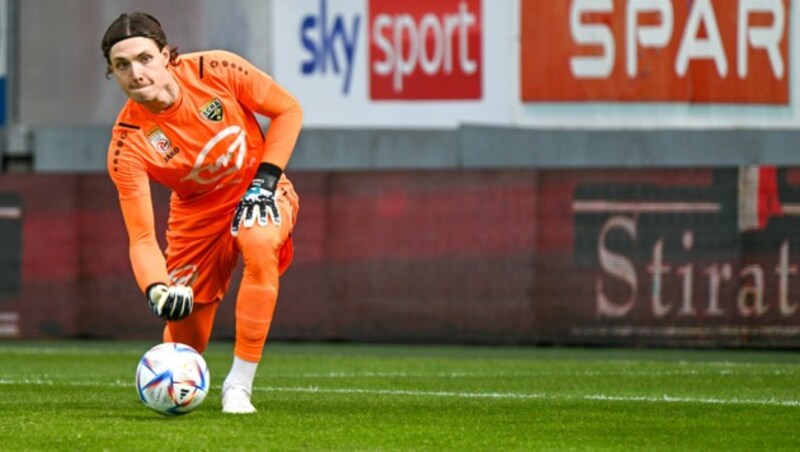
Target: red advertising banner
column 661, row 257
column 701, row 51
column 420, row 50
column 613, row 256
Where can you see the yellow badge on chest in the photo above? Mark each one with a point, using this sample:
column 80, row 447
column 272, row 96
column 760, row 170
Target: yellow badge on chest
column 212, row 110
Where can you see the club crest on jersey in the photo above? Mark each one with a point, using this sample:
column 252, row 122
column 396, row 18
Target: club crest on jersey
column 212, row 110
column 159, row 140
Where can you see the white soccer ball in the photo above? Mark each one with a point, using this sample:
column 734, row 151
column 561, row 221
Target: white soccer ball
column 172, row 378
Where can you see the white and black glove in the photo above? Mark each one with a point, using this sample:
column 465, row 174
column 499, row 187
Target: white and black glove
column 170, row 302
column 260, row 200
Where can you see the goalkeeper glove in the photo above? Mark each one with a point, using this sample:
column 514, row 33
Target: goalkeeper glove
column 261, row 199
column 170, row 303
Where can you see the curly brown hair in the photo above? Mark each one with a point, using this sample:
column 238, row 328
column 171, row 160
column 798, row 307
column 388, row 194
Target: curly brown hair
column 136, row 24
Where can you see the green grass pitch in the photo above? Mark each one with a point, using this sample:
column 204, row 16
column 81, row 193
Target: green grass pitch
column 80, row 395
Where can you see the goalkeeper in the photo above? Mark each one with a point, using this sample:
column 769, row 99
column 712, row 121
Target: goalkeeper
column 189, row 124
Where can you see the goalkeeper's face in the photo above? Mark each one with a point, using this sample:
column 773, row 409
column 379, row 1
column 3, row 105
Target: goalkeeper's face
column 141, row 68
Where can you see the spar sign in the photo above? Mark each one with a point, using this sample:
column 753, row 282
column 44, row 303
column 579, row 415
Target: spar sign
column 417, row 50
column 701, row 51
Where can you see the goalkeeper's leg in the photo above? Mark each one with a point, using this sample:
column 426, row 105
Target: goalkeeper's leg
column 194, row 330
column 255, row 304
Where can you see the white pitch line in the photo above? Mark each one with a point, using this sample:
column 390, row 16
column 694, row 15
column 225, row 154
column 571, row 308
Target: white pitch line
column 537, row 373
column 536, row 396
column 452, row 394
column 406, row 392
column 702, row 400
column 17, row 350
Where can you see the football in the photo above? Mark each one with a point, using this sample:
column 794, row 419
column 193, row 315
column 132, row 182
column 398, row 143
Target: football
column 172, row 378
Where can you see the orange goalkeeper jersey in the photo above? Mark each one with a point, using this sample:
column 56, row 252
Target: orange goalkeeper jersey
column 206, row 148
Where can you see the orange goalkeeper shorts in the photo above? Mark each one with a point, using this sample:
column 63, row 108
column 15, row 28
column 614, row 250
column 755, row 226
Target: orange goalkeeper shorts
column 207, row 263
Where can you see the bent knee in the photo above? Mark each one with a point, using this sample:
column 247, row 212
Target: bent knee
column 261, row 238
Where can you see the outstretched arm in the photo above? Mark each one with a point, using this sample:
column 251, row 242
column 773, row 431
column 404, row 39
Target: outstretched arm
column 170, row 302
column 149, row 265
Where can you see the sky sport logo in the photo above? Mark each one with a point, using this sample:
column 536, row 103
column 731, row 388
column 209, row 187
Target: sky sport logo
column 415, row 50
column 425, row 50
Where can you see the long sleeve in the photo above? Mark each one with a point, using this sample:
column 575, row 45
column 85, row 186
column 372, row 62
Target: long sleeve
column 149, row 264
column 286, row 121
column 260, row 93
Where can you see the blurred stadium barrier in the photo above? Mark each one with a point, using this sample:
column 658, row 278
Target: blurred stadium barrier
column 601, row 257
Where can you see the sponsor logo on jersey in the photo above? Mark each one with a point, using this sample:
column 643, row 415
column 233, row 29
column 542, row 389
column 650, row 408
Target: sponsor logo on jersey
column 212, row 110
column 186, row 275
column 222, row 156
column 159, row 141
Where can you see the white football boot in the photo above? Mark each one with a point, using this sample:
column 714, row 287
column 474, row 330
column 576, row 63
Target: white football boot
column 236, row 398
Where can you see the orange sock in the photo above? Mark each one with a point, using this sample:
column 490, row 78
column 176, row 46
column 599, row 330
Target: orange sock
column 258, row 291
column 254, row 308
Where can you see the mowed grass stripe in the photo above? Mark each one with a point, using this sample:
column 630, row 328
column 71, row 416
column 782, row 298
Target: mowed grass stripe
column 447, row 394
column 80, row 395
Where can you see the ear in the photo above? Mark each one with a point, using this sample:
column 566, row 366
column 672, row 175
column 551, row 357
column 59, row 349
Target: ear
column 165, row 53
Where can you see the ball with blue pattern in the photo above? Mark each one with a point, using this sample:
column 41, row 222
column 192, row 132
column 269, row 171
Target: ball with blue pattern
column 172, row 379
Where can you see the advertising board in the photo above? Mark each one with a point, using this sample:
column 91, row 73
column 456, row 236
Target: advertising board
column 657, row 63
column 706, row 51
column 382, row 63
